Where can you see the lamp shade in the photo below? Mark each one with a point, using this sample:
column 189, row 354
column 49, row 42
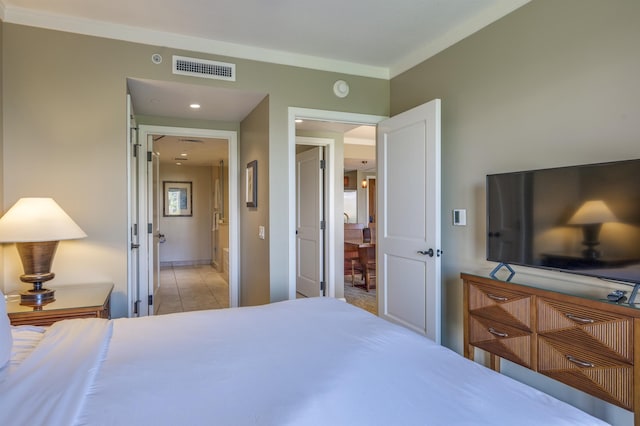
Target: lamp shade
column 594, row 211
column 36, row 220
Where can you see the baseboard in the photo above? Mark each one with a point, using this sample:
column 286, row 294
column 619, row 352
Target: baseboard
column 177, row 263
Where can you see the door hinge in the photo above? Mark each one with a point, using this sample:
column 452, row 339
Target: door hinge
column 136, row 304
column 322, row 285
column 151, row 300
column 149, row 156
column 135, row 229
column 323, row 164
column 136, row 147
column 149, row 228
column 323, row 224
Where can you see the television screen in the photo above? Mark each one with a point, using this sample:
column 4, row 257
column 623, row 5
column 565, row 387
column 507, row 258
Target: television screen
column 580, row 219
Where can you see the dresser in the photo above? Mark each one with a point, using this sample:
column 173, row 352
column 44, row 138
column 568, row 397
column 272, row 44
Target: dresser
column 71, row 301
column 583, row 341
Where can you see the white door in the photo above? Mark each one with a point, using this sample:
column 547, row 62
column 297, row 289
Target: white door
column 408, row 248
column 134, row 231
column 309, row 215
column 155, row 198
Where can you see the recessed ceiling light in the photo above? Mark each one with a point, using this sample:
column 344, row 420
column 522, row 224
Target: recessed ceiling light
column 195, row 106
column 184, row 154
column 178, row 164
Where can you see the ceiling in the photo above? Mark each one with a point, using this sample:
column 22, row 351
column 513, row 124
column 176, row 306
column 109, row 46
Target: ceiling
column 190, row 151
column 375, row 38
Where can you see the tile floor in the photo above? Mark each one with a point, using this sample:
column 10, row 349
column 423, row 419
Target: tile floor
column 194, row 288
column 191, row 288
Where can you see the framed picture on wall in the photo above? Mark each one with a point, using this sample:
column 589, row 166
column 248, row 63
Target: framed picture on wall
column 178, row 200
column 252, row 184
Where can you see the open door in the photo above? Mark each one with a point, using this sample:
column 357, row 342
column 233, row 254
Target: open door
column 134, row 215
column 309, row 223
column 409, row 219
column 155, row 200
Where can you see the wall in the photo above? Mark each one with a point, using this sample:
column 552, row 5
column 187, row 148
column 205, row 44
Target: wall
column 65, row 130
column 254, row 276
column 188, row 239
column 363, row 205
column 551, row 84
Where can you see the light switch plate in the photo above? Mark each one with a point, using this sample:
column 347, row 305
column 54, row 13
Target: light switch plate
column 261, row 232
column 460, row 217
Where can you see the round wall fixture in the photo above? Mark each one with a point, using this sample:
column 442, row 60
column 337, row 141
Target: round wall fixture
column 341, row 88
column 156, row 58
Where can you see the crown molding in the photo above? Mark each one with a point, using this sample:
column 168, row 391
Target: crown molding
column 127, row 33
column 455, row 34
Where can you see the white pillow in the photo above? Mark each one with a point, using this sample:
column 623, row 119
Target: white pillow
column 6, row 341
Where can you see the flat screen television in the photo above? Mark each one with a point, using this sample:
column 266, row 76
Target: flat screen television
column 580, row 219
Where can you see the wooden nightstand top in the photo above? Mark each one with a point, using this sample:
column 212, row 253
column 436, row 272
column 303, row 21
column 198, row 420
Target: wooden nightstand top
column 71, row 301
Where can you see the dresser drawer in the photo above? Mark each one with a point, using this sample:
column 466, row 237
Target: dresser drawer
column 502, row 305
column 593, row 330
column 507, row 342
column 591, row 372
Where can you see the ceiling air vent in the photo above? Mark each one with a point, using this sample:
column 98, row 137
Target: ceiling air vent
column 203, row 68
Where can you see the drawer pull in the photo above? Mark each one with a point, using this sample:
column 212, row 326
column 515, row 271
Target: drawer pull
column 579, row 319
column 578, row 362
column 497, row 333
column 498, row 298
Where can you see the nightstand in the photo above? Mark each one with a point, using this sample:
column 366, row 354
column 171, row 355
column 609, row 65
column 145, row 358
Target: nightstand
column 72, row 301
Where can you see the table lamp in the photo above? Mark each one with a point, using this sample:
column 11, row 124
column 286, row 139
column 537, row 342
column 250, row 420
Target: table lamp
column 36, row 225
column 591, row 215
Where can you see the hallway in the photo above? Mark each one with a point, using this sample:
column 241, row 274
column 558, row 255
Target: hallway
column 191, row 288
column 195, row 288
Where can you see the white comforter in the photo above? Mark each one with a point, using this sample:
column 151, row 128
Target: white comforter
column 305, row 362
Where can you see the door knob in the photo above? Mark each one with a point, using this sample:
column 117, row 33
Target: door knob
column 426, row 253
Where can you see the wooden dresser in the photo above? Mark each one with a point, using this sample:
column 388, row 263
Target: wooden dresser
column 585, row 342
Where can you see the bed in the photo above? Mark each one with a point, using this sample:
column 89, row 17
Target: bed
column 316, row 361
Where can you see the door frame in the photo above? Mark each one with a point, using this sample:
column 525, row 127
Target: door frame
column 334, row 233
column 234, row 216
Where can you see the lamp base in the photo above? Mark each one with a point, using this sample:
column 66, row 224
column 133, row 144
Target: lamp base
column 37, row 296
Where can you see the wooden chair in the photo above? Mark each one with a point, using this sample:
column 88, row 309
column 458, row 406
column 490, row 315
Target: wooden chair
column 372, row 229
column 352, row 263
column 353, row 231
column 366, row 235
column 367, row 256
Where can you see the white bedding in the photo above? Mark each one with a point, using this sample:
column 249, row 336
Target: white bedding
column 305, row 362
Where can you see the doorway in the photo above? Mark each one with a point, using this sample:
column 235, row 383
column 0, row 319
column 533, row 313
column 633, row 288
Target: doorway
column 147, row 201
column 335, row 212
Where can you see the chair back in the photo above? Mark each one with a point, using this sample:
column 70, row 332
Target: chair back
column 366, row 235
column 353, row 231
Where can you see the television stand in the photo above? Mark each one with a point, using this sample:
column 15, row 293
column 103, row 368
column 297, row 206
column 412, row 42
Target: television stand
column 583, row 341
column 634, row 293
column 497, row 268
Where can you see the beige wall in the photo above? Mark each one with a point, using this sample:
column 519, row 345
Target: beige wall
column 65, row 130
column 254, row 146
column 552, row 84
column 188, row 239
